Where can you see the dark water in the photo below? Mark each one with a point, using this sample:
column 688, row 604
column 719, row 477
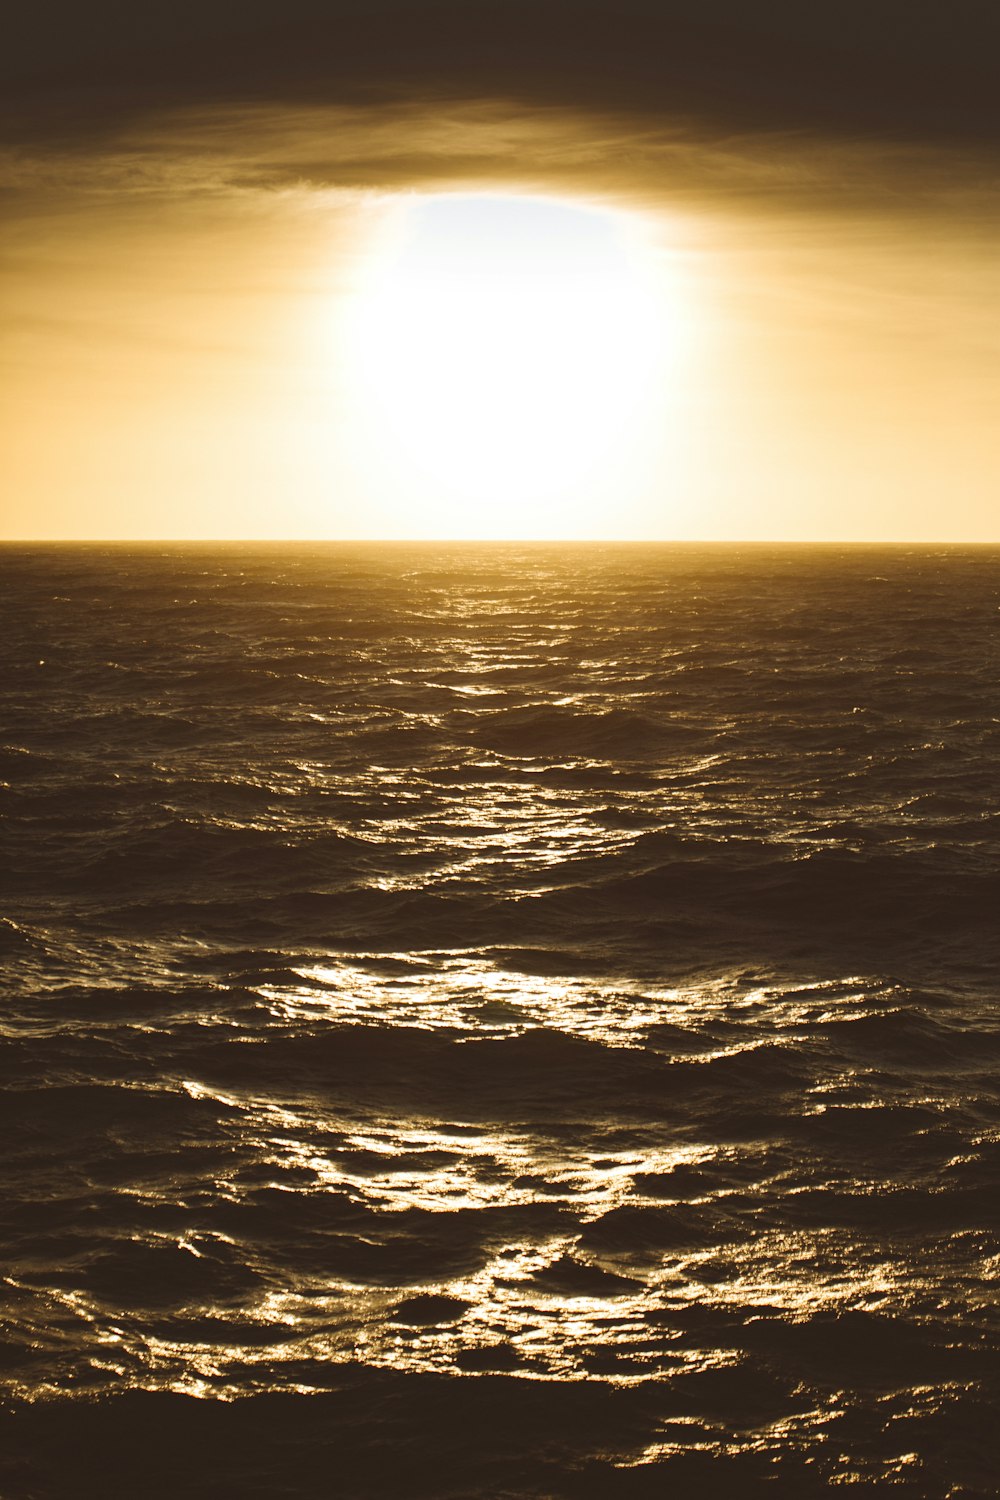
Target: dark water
column 500, row 1021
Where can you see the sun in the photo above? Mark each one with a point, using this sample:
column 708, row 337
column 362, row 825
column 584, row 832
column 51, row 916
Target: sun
column 506, row 353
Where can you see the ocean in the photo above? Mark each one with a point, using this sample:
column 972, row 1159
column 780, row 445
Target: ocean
column 489, row 1021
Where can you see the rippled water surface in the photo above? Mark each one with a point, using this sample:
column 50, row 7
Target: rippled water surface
column 500, row 1021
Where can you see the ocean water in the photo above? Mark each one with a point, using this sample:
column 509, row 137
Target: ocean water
column 493, row 1021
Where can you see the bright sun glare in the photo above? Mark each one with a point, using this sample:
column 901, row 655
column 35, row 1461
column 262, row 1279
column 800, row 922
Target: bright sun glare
column 507, row 353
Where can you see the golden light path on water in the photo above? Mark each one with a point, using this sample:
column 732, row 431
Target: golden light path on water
column 581, row 1302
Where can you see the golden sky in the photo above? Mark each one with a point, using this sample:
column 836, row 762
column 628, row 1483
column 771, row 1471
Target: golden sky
column 413, row 270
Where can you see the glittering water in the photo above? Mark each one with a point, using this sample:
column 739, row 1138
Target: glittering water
column 500, row 1020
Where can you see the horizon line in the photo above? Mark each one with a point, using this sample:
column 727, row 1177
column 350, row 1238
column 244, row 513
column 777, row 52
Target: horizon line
column 458, row 541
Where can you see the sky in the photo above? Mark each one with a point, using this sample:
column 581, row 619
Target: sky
column 721, row 269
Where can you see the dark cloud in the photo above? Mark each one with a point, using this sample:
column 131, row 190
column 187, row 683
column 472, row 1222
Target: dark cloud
column 905, row 72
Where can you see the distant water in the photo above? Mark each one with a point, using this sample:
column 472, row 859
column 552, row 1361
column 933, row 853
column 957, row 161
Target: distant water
column 500, row 1021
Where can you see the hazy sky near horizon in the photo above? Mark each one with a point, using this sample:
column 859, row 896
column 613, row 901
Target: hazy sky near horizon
column 657, row 268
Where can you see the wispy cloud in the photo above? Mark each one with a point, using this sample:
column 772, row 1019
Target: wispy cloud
column 266, row 149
